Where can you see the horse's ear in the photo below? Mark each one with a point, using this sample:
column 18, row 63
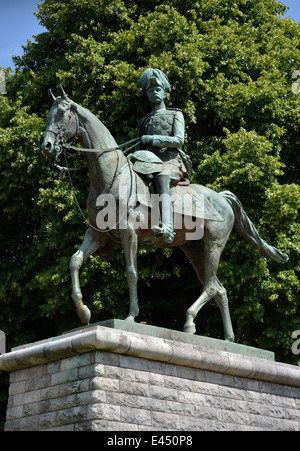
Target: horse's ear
column 63, row 94
column 51, row 96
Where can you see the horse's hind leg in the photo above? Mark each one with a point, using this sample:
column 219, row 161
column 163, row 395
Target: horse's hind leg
column 195, row 253
column 88, row 247
column 222, row 302
column 206, row 265
column 209, row 291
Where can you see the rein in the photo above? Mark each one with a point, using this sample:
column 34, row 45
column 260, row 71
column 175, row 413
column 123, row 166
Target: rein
column 62, row 147
column 136, row 141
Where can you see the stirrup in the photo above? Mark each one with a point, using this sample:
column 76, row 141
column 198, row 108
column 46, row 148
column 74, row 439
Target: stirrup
column 165, row 232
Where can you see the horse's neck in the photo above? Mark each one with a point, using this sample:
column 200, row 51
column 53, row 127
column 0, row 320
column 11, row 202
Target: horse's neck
column 94, row 135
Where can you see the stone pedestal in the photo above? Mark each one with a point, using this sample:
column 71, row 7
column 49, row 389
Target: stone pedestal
column 141, row 378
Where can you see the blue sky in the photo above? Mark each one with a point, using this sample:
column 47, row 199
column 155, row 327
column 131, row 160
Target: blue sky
column 18, row 23
column 294, row 12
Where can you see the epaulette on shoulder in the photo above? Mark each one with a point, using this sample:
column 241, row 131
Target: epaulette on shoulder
column 143, row 120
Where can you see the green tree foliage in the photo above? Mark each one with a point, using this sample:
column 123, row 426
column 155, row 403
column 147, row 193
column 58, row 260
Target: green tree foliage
column 230, row 65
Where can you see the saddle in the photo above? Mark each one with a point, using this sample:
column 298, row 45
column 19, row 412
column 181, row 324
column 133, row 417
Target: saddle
column 187, row 198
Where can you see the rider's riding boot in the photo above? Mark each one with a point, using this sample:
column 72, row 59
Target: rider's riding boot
column 162, row 185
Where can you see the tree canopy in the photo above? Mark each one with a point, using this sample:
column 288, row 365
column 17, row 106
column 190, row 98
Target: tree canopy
column 230, row 65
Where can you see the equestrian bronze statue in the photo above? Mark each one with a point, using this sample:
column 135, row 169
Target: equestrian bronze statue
column 157, row 166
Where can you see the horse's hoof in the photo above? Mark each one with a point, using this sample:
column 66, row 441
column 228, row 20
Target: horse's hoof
column 84, row 315
column 191, row 329
column 130, row 318
column 229, row 339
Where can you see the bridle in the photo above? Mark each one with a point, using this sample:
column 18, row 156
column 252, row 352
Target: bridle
column 61, row 144
column 60, row 141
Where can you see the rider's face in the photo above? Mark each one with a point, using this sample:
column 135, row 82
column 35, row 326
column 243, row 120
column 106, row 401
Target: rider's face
column 156, row 94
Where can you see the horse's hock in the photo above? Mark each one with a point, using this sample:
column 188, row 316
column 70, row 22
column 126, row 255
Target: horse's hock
column 132, row 377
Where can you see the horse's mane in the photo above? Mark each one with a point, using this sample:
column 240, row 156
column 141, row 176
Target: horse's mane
column 92, row 124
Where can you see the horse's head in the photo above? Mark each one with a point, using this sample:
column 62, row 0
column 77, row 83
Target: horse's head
column 62, row 124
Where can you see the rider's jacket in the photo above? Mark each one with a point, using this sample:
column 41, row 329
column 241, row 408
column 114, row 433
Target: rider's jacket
column 167, row 127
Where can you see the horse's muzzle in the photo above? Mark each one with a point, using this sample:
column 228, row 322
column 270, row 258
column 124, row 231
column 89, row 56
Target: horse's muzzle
column 48, row 149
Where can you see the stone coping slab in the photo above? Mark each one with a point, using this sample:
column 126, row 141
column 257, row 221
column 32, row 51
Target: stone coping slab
column 100, row 338
column 196, row 340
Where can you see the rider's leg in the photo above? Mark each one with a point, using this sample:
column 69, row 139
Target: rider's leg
column 163, row 188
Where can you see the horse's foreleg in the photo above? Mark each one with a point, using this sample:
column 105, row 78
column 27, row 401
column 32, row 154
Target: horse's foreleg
column 130, row 245
column 88, row 247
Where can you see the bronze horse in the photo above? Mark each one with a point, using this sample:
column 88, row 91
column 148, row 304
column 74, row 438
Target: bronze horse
column 106, row 162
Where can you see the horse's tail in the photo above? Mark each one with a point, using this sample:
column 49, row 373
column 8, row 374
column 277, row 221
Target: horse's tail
column 246, row 228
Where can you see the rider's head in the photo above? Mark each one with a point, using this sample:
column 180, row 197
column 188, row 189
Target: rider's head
column 154, row 77
column 155, row 84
